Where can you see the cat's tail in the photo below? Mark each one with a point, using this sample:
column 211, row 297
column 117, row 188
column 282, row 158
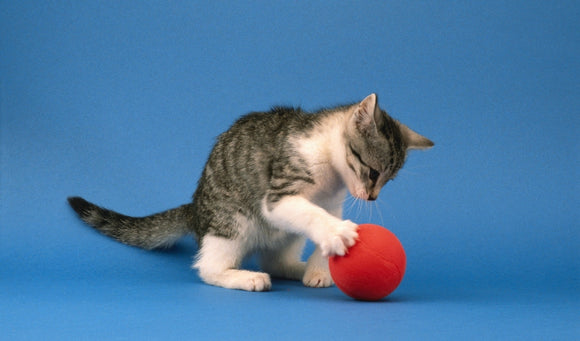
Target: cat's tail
column 155, row 231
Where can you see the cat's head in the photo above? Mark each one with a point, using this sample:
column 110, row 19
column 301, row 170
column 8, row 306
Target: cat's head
column 376, row 148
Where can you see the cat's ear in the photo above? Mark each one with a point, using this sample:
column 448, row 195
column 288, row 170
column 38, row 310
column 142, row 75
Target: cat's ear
column 367, row 115
column 414, row 140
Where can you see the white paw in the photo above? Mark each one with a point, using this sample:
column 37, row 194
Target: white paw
column 255, row 281
column 238, row 279
column 342, row 236
column 317, row 278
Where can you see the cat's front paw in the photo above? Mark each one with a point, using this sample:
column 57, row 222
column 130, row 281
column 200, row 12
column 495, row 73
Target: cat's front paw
column 317, row 278
column 341, row 237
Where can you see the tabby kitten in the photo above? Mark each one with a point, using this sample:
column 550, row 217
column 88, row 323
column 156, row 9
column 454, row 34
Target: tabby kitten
column 271, row 181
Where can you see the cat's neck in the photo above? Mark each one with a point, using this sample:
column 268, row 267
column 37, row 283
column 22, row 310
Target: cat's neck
column 324, row 151
column 325, row 143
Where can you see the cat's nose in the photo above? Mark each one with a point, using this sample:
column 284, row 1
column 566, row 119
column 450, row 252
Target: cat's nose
column 372, row 197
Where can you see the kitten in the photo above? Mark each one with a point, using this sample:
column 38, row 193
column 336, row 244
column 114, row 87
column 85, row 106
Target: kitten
column 271, row 181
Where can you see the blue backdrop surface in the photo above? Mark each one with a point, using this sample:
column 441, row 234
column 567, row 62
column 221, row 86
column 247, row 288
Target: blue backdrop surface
column 121, row 101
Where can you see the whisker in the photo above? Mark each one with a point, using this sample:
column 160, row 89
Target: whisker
column 380, row 214
column 351, row 205
column 358, row 207
column 361, row 205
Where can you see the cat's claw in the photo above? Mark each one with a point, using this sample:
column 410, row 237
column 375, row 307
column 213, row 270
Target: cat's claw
column 342, row 237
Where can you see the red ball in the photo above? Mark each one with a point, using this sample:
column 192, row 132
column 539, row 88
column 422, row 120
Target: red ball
column 373, row 268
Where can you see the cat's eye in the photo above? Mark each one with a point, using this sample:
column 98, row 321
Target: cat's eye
column 374, row 175
column 357, row 155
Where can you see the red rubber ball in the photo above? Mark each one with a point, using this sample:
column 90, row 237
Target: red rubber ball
column 373, row 268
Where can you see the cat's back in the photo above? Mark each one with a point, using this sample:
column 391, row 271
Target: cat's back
column 277, row 123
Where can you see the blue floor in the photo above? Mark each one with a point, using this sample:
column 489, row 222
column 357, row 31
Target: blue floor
column 162, row 300
column 121, row 101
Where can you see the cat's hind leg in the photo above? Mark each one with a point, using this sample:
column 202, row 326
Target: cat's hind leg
column 317, row 274
column 218, row 262
column 285, row 261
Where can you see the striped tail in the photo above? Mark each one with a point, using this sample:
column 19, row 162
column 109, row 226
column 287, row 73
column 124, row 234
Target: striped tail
column 154, row 231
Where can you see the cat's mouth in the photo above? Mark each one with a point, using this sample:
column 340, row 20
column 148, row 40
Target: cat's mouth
column 363, row 195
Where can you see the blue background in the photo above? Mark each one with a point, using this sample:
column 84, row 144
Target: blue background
column 120, row 102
